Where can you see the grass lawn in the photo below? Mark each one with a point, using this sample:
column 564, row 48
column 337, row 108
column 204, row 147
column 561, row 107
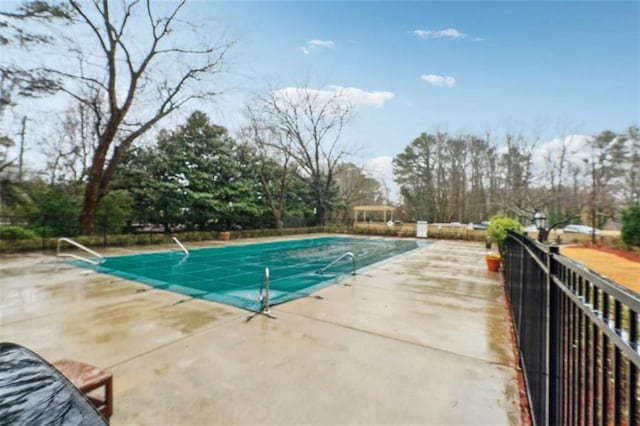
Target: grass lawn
column 623, row 268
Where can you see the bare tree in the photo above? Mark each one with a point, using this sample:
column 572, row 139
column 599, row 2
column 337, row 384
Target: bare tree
column 137, row 74
column 516, row 162
column 555, row 166
column 414, row 171
column 457, row 152
column 68, row 153
column 606, row 167
column 310, row 123
column 632, row 181
column 356, row 188
column 18, row 31
column 273, row 168
column 479, row 161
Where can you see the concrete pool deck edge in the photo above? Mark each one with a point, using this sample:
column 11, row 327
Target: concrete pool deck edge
column 422, row 339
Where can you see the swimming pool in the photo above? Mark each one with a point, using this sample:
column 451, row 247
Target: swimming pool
column 235, row 274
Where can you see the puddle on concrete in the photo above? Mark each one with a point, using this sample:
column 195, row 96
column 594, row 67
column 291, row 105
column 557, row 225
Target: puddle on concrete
column 454, row 290
column 161, row 371
column 31, row 270
column 122, row 312
column 120, row 321
column 187, row 321
column 78, row 288
column 512, row 402
column 499, row 341
column 500, row 344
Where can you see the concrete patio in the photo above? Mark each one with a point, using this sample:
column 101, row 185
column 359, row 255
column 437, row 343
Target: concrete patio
column 422, row 339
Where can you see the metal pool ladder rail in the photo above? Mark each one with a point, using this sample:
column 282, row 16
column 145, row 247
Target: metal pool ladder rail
column 353, row 258
column 80, row 246
column 177, row 241
column 264, row 299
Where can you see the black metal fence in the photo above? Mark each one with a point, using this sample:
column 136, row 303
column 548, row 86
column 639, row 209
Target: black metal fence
column 578, row 338
column 41, row 231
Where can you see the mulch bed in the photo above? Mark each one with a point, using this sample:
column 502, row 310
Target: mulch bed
column 611, row 250
column 525, row 410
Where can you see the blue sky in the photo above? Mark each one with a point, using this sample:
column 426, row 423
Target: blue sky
column 547, row 69
column 513, row 65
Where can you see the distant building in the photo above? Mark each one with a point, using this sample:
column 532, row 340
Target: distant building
column 612, row 225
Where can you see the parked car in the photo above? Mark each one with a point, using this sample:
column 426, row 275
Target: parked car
column 580, row 229
column 482, row 225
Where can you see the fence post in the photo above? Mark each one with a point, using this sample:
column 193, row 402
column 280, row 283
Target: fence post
column 554, row 318
column 44, row 227
column 104, row 230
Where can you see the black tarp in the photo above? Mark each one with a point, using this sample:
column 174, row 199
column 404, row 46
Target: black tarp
column 33, row 392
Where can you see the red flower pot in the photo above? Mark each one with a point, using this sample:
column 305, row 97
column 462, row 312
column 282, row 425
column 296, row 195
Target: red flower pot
column 493, row 264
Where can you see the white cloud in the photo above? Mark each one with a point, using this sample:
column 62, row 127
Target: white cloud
column 359, row 97
column 381, row 169
column 349, row 95
column 321, row 43
column 577, row 148
column 451, row 32
column 575, row 144
column 439, row 80
column 446, row 33
column 316, row 44
column 422, row 33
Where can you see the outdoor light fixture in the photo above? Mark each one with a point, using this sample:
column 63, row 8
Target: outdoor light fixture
column 540, row 220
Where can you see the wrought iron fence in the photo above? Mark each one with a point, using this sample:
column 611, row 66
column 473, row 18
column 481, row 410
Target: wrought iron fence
column 578, row 338
column 41, row 231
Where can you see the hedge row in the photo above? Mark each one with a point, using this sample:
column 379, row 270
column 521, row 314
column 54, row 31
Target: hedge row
column 13, row 245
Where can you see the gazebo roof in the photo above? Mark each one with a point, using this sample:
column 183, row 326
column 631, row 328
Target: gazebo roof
column 374, row 208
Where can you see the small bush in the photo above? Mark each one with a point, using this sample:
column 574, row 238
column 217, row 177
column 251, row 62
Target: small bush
column 498, row 230
column 12, row 232
column 631, row 225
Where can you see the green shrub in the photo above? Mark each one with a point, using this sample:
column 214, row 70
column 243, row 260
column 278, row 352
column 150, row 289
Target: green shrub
column 499, row 228
column 631, row 225
column 12, row 232
column 59, row 208
column 115, row 209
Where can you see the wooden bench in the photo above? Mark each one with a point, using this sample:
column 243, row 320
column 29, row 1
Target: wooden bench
column 88, row 379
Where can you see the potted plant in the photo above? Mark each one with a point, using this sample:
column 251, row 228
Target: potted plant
column 497, row 232
column 493, row 261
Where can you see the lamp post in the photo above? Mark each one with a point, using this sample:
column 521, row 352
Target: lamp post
column 540, row 220
column 593, row 203
column 593, row 199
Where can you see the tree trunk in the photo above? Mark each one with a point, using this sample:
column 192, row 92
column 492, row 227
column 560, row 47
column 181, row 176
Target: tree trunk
column 94, row 191
column 321, row 214
column 90, row 203
column 277, row 218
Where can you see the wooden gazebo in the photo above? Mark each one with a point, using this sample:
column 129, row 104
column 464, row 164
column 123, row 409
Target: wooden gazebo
column 361, row 213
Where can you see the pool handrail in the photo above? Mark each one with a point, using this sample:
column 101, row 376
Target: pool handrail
column 177, row 241
column 81, row 247
column 265, row 308
column 353, row 258
column 265, row 305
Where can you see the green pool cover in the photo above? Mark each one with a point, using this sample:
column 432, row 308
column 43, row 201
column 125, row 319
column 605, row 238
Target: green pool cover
column 235, row 274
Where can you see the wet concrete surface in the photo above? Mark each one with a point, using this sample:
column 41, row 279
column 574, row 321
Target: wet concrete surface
column 421, row 339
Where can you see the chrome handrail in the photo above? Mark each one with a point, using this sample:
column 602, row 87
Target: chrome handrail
column 265, row 308
column 177, row 241
column 264, row 299
column 353, row 258
column 75, row 256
